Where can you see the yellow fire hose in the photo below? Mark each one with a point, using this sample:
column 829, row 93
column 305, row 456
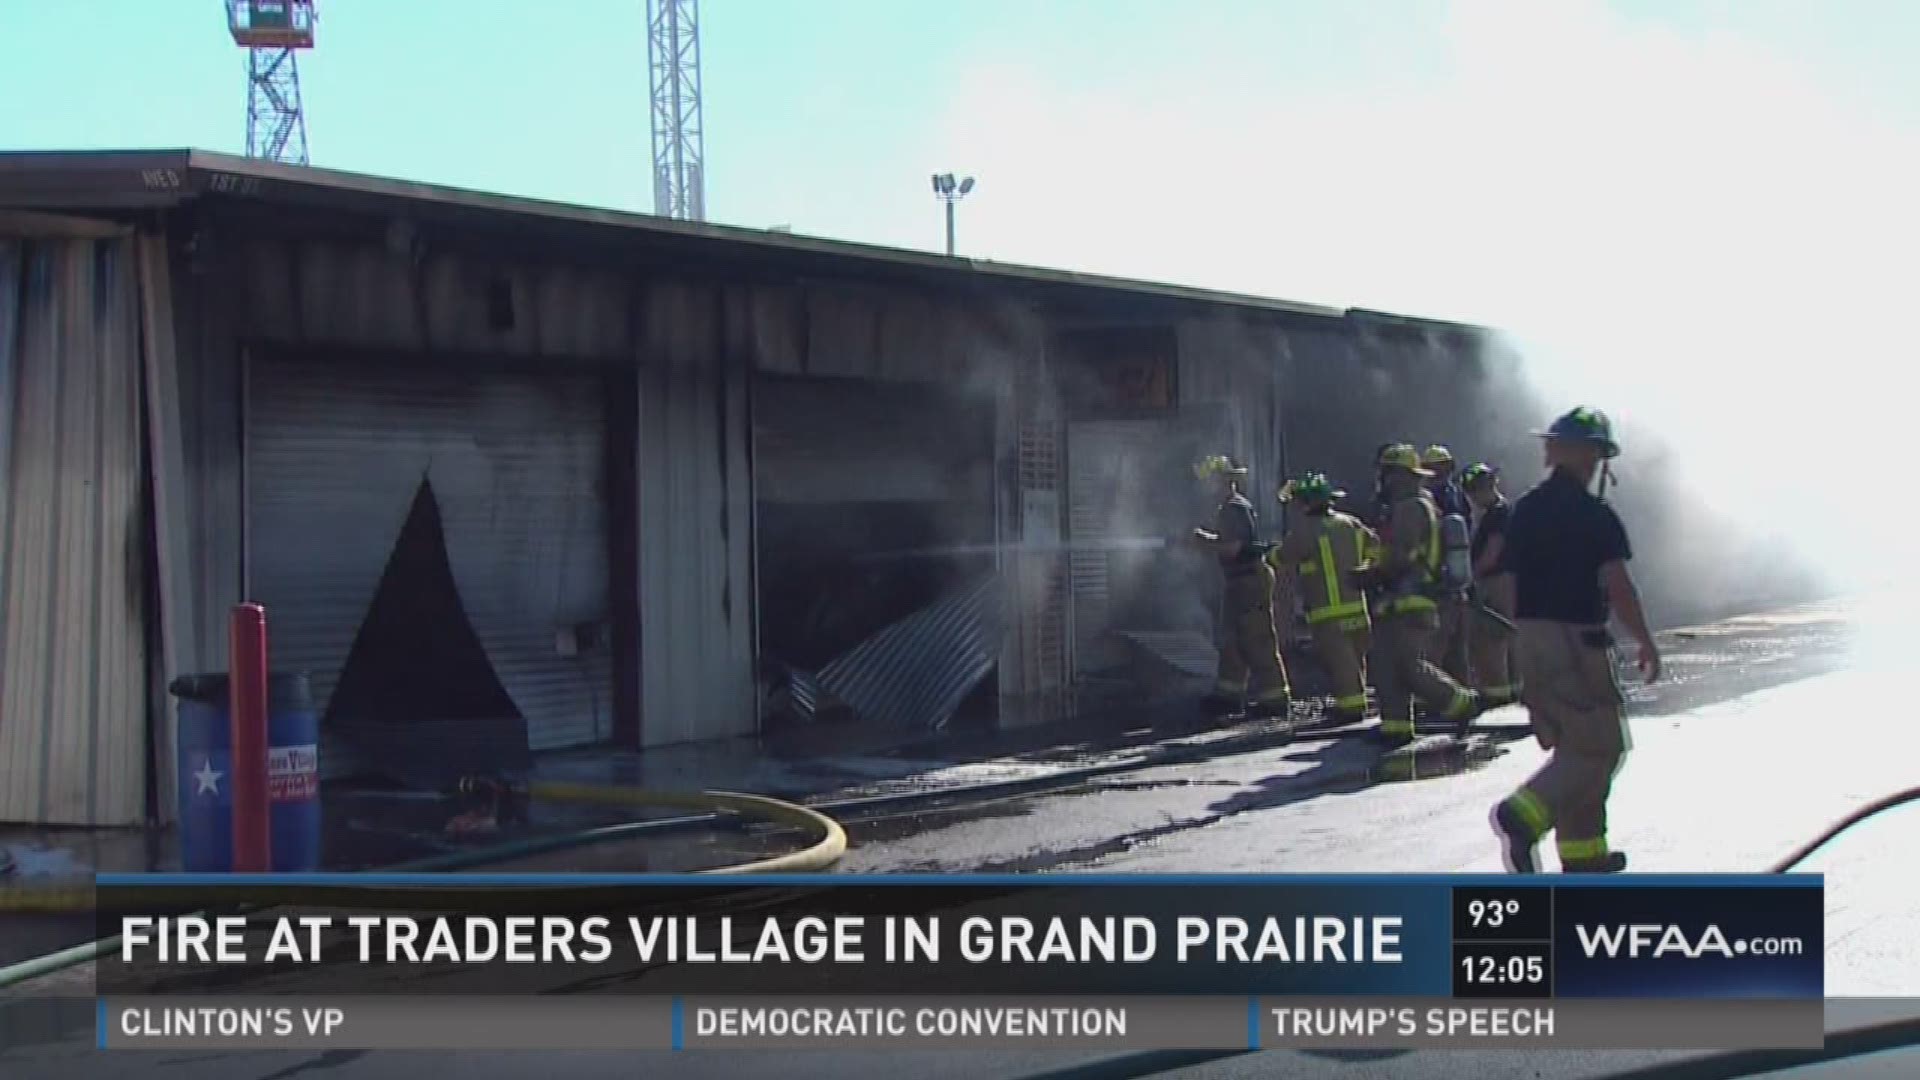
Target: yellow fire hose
column 69, row 897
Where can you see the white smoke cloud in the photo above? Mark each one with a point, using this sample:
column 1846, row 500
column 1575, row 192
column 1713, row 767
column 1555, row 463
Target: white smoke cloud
column 1685, row 229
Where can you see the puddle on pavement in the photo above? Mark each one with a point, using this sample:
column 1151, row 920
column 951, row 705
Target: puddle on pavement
column 1449, row 760
column 893, row 828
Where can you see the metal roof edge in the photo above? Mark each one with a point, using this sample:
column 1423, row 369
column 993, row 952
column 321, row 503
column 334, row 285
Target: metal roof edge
column 1394, row 318
column 214, row 164
column 139, row 178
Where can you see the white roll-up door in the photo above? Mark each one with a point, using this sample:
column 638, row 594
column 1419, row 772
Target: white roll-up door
column 336, row 456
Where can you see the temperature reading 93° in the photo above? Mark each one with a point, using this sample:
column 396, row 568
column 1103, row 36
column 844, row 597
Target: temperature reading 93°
column 1502, row 913
column 1491, row 914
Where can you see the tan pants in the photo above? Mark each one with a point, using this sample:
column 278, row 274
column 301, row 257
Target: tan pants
column 1577, row 709
column 1404, row 672
column 1343, row 651
column 1450, row 649
column 1249, row 650
column 1490, row 644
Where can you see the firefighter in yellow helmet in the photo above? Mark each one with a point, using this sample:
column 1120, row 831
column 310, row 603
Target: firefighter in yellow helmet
column 1406, row 609
column 1316, row 561
column 1249, row 649
column 1450, row 644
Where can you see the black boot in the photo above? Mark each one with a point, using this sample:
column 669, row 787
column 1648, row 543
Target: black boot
column 1271, row 709
column 1613, row 862
column 1517, row 842
column 1338, row 718
column 1392, row 740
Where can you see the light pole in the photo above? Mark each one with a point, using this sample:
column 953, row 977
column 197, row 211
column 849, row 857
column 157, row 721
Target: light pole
column 950, row 191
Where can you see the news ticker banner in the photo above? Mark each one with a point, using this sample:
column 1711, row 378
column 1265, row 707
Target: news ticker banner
column 1571, row 961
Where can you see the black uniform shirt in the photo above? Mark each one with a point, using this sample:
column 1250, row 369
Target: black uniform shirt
column 1235, row 521
column 1559, row 535
column 1493, row 522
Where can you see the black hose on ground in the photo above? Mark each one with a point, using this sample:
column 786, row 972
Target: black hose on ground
column 1872, row 809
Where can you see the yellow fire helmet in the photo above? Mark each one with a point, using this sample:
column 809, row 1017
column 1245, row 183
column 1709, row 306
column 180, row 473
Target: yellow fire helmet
column 1402, row 456
column 1218, row 465
column 1436, row 455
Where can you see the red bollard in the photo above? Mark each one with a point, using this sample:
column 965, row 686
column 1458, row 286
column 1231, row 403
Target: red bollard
column 247, row 680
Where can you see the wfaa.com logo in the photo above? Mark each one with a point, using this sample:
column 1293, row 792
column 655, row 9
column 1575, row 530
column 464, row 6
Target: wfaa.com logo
column 1638, row 941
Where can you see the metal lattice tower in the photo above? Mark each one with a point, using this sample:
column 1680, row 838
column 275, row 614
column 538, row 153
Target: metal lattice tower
column 273, row 32
column 673, row 53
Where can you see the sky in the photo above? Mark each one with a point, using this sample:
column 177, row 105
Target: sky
column 1696, row 212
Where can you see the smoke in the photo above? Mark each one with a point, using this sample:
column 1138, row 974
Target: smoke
column 1695, row 233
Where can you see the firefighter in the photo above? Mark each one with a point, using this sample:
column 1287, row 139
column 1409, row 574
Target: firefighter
column 1490, row 614
column 1450, row 645
column 1249, row 648
column 1315, row 561
column 1568, row 553
column 1406, row 616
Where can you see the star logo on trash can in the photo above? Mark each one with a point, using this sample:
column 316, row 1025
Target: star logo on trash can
column 208, row 778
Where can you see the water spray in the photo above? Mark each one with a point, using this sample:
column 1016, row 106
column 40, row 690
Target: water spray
column 1029, row 547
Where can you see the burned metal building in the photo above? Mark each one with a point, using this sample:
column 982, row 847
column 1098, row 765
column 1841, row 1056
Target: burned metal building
column 512, row 477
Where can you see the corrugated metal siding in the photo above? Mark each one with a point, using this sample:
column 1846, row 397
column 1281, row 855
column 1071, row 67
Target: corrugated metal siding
column 172, row 508
column 368, row 295
column 900, row 335
column 696, row 534
column 73, row 715
column 336, row 455
column 916, row 672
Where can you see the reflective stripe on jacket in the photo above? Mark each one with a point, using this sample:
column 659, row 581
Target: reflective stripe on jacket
column 1343, row 543
column 1415, row 591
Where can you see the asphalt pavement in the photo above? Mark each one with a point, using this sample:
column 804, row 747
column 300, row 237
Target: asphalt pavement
column 1769, row 729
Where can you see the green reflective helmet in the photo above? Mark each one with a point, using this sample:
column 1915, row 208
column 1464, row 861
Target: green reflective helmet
column 1478, row 474
column 1311, row 488
column 1584, row 425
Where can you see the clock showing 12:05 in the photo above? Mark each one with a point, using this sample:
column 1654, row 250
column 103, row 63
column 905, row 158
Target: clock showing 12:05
column 1502, row 969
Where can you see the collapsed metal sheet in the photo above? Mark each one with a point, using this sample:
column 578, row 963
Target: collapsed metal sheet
column 916, row 672
column 1186, row 651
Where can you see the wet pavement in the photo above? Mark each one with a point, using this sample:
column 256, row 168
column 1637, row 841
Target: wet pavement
column 368, row 827
column 1764, row 731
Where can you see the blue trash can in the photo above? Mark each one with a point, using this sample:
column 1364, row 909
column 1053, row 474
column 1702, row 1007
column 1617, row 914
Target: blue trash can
column 205, row 777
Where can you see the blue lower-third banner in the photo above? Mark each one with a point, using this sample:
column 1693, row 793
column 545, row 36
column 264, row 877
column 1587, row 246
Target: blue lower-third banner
column 1416, row 938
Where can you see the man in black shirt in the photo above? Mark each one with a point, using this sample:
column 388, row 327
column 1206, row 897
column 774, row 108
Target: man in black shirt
column 1249, row 648
column 1490, row 640
column 1568, row 552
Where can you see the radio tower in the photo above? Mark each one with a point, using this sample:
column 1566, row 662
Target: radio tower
column 272, row 32
column 673, row 52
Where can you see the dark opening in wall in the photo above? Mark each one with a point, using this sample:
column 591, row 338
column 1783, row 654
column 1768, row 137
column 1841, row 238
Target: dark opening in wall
column 500, row 313
column 418, row 698
column 874, row 505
